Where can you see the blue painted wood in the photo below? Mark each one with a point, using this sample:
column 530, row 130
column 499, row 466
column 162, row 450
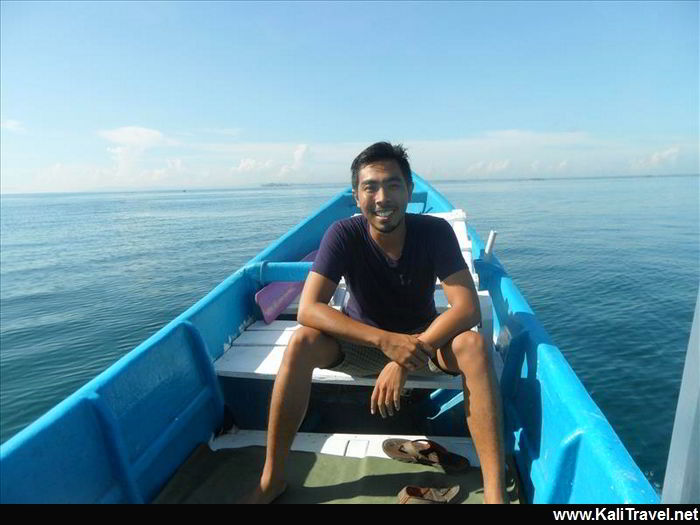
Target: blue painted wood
column 115, row 444
column 121, row 436
column 267, row 272
column 563, row 443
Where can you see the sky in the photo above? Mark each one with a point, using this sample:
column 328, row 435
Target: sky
column 104, row 96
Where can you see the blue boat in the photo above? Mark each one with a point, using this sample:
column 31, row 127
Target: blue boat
column 204, row 380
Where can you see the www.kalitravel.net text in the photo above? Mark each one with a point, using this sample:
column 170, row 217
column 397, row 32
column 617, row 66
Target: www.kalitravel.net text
column 626, row 513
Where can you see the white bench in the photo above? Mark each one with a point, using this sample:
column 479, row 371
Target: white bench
column 257, row 352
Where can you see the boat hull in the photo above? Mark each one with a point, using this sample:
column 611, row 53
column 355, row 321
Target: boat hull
column 123, row 435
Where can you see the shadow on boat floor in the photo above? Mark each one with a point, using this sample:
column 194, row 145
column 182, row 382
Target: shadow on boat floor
column 225, row 476
column 346, row 409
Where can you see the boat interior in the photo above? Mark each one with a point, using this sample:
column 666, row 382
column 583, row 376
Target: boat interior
column 337, row 456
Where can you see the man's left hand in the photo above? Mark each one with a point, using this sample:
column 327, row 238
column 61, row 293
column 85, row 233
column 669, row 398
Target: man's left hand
column 387, row 390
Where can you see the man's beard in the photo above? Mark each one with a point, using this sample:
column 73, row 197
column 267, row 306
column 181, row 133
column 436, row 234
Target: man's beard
column 388, row 228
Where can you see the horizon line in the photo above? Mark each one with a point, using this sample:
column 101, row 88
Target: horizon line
column 342, row 184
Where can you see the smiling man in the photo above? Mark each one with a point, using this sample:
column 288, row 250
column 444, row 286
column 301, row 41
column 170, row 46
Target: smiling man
column 390, row 327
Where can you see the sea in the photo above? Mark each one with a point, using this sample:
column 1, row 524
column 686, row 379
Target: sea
column 610, row 266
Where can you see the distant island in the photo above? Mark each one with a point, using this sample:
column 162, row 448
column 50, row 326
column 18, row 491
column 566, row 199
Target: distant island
column 276, row 184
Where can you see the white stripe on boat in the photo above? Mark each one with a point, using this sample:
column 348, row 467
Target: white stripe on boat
column 348, row 445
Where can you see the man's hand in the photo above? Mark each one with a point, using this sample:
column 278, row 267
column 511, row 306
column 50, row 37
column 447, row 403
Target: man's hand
column 387, row 390
column 406, row 350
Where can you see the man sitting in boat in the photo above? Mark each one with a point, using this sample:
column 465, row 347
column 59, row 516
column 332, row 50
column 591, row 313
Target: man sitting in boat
column 390, row 326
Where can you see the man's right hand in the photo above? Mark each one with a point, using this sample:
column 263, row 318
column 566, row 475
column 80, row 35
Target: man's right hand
column 406, row 350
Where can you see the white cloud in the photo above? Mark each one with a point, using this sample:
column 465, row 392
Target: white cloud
column 658, row 158
column 13, row 125
column 297, row 163
column 147, row 158
column 131, row 144
column 252, row 165
column 136, row 137
column 71, row 177
column 174, row 173
column 503, row 153
column 275, row 164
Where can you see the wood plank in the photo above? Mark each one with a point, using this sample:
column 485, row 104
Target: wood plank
column 266, row 338
column 460, row 229
column 257, row 353
column 274, row 326
column 348, row 445
column 259, row 362
column 452, row 215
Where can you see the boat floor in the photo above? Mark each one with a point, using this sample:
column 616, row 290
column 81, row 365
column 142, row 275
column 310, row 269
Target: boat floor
column 322, row 468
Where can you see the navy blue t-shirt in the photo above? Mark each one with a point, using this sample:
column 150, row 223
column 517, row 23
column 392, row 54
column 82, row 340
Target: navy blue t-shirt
column 391, row 295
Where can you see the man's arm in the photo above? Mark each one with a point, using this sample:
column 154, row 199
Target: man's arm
column 463, row 315
column 314, row 312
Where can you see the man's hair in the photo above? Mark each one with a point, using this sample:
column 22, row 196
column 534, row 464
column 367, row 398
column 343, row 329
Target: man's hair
column 381, row 151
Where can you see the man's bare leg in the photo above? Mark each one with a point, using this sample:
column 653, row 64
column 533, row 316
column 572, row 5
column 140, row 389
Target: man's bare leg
column 468, row 354
column 308, row 349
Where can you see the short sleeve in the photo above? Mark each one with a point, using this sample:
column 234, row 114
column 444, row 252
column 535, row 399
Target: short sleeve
column 331, row 258
column 448, row 256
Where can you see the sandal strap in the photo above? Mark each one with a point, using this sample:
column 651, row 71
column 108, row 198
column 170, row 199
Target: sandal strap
column 432, row 446
column 414, row 494
column 432, row 454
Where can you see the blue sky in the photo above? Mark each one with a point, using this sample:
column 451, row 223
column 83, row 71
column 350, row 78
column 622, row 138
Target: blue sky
column 130, row 95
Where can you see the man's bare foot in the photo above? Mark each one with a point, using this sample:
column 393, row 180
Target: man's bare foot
column 267, row 494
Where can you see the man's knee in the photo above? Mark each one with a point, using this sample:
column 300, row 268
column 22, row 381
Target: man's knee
column 305, row 338
column 471, row 350
column 309, row 345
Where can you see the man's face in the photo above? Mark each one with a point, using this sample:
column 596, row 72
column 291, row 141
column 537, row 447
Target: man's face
column 382, row 195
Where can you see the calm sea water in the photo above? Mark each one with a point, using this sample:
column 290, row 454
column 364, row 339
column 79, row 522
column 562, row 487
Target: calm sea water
column 610, row 267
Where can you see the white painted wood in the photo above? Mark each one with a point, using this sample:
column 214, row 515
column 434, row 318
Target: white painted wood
column 273, row 326
column 263, row 362
column 452, row 215
column 356, row 448
column 485, row 305
column 682, row 481
column 257, row 353
column 460, row 229
column 470, row 263
column 348, row 445
column 266, row 338
column 458, row 220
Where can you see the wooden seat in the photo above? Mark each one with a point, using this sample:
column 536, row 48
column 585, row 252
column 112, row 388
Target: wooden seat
column 257, row 352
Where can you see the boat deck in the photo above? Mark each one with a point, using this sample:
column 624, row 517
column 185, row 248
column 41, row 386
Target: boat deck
column 323, row 468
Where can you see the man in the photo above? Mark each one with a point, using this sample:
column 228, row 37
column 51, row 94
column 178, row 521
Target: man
column 390, row 326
